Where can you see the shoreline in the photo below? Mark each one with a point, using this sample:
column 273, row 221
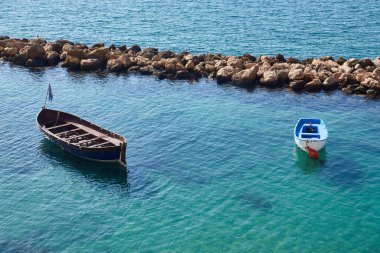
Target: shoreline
column 352, row 76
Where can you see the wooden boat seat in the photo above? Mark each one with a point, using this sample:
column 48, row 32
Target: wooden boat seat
column 75, row 136
column 68, row 131
column 96, row 145
column 58, row 126
column 91, row 139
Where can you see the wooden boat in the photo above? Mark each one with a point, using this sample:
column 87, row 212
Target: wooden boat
column 81, row 137
column 310, row 135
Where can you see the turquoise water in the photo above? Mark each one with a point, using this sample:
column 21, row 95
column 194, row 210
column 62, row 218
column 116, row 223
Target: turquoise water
column 210, row 168
column 300, row 28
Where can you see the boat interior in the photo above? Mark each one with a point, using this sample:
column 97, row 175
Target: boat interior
column 310, row 132
column 308, row 129
column 79, row 135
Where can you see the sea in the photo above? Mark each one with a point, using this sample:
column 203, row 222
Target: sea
column 210, row 167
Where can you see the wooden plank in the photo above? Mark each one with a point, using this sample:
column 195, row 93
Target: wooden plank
column 83, row 141
column 58, row 126
column 99, row 144
column 68, row 131
column 75, row 136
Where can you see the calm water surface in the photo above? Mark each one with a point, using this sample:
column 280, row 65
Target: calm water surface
column 210, row 168
column 300, row 28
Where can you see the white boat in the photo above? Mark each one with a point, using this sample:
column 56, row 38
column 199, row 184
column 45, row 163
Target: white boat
column 310, row 135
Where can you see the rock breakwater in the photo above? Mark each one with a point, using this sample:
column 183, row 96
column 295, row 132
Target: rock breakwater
column 352, row 76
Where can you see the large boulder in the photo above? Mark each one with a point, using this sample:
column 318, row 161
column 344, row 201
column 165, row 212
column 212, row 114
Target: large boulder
column 170, row 65
column 20, row 60
column 190, row 65
column 270, row 79
column 210, row 67
column 52, row 58
column 199, row 70
column 141, row 61
column 365, row 62
column 159, row 65
column 52, row 46
column 36, row 62
column 126, row 61
column 33, row 51
column 371, row 83
column 15, row 43
column 310, row 73
column 147, row 70
column 235, row 62
column 376, row 74
column 66, row 47
column 77, row 53
column 90, row 64
column 332, row 82
column 292, row 60
column 245, row 77
column 345, row 68
column 112, row 54
column 10, row 51
column 376, row 62
column 279, row 66
column 135, row 48
column 165, row 55
column 98, row 53
column 280, row 58
column 314, row 85
column 340, row 60
column 98, row 45
column 296, row 74
column 324, row 74
column 297, row 85
column 283, row 76
column 115, row 65
column 62, row 42
column 262, row 68
column 179, row 66
column 72, row 63
column 225, row 74
column 346, row 79
column 184, row 74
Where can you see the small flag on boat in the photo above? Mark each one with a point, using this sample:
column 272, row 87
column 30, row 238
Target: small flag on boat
column 50, row 93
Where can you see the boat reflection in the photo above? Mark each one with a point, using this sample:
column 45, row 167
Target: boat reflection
column 305, row 163
column 109, row 173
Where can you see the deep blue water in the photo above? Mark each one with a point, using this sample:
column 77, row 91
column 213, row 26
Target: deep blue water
column 210, row 167
column 294, row 28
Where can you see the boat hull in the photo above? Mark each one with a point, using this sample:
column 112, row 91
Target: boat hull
column 315, row 145
column 99, row 156
column 113, row 153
